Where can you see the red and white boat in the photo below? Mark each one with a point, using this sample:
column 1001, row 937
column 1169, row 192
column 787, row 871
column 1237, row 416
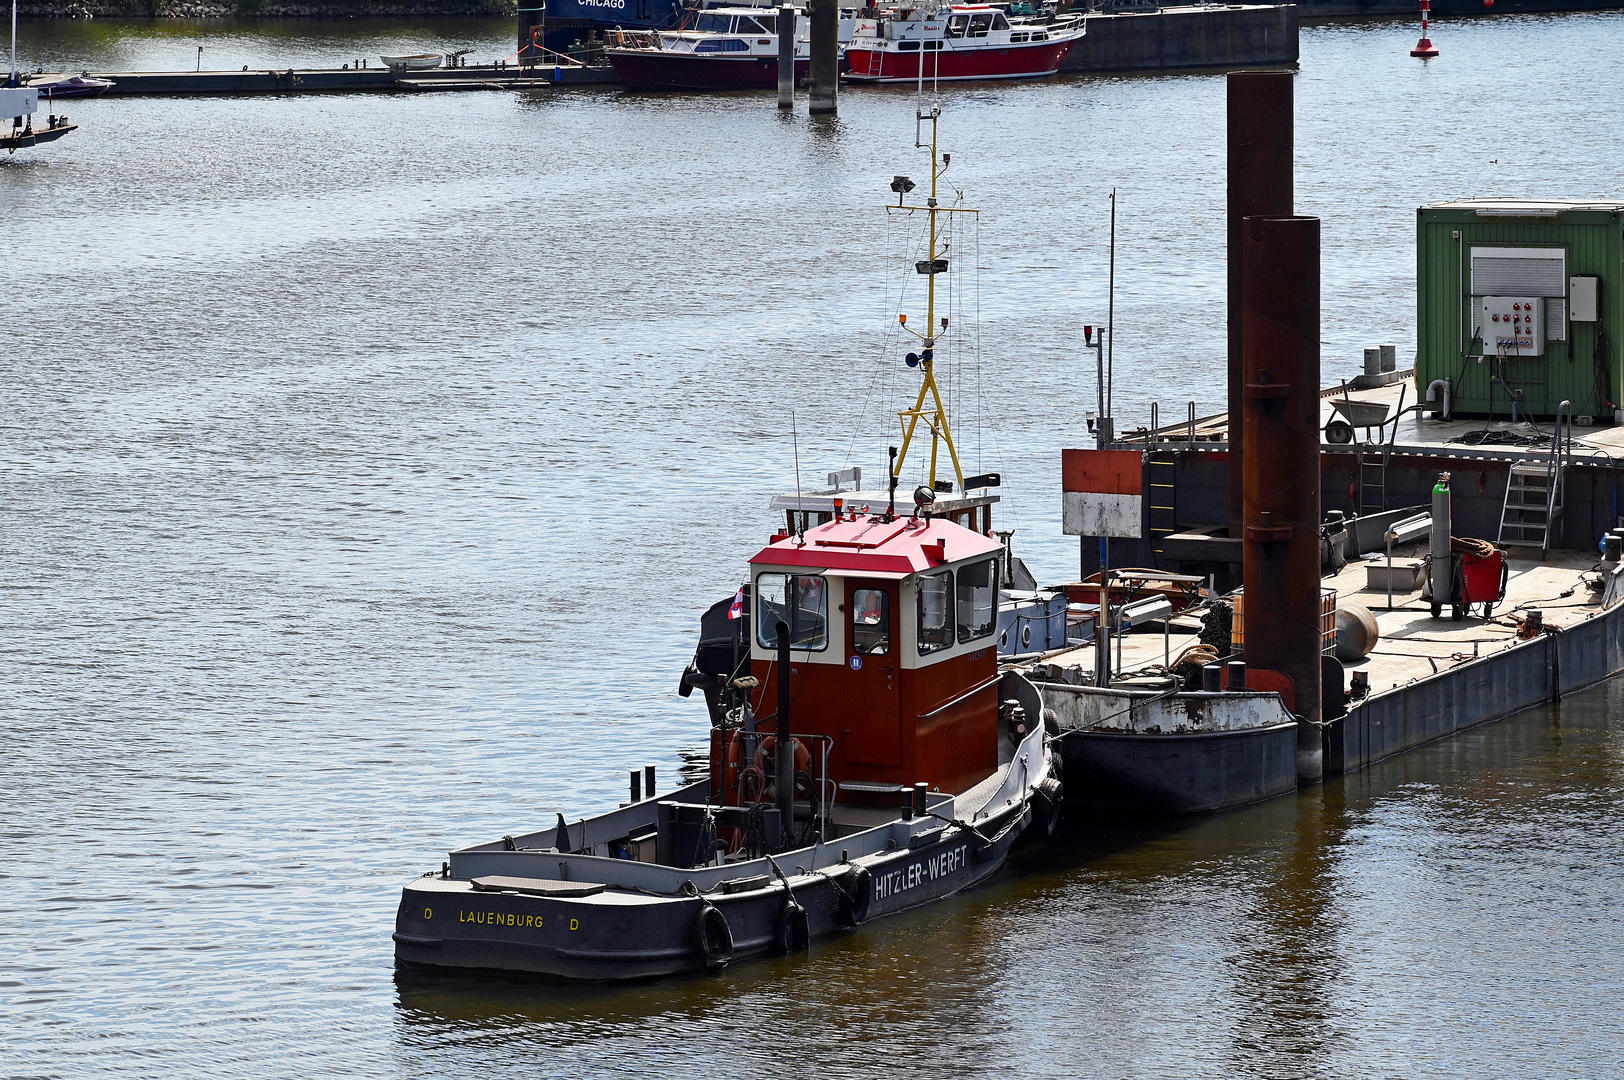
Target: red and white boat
column 957, row 44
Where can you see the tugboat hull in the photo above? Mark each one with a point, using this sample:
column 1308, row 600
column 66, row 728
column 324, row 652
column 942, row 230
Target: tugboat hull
column 579, row 903
column 449, row 925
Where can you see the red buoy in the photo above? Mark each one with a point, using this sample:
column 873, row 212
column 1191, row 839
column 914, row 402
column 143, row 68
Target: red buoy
column 1425, row 48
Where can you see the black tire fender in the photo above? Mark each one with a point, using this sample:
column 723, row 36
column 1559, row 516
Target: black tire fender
column 713, row 937
column 1047, row 801
column 794, row 932
column 856, row 892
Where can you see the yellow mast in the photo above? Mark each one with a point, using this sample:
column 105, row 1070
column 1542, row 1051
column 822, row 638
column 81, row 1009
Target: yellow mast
column 936, row 416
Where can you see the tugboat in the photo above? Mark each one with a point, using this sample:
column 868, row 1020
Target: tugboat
column 866, row 756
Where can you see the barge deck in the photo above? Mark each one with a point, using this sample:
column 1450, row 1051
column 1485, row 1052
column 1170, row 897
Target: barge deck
column 1426, row 679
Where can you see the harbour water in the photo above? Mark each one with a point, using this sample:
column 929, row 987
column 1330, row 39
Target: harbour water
column 368, row 461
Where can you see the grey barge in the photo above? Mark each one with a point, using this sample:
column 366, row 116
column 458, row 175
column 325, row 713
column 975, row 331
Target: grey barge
column 1422, row 550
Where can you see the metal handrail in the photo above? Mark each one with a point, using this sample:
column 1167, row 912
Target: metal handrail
column 1555, row 473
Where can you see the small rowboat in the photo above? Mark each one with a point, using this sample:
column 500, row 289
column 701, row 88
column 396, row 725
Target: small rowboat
column 415, row 62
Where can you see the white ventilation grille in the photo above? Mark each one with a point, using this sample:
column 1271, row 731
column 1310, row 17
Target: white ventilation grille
column 1523, row 272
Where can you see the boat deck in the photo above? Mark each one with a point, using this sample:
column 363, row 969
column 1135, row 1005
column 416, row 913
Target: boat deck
column 1413, row 644
column 1413, row 432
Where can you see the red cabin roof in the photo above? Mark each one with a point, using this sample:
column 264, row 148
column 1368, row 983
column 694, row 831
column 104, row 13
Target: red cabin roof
column 873, row 547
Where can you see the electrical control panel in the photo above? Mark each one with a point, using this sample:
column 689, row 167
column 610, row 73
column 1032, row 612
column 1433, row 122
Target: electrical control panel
column 1583, row 291
column 1513, row 326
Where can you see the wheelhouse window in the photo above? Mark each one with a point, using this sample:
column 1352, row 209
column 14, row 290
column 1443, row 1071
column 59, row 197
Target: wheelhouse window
column 870, row 622
column 712, row 24
column 799, row 600
column 748, row 25
column 999, row 22
column 977, row 599
column 956, row 25
column 979, row 25
column 935, row 612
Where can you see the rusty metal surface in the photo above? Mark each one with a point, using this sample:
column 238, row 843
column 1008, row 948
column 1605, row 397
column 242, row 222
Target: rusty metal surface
column 1106, row 472
column 1280, row 449
column 1260, row 107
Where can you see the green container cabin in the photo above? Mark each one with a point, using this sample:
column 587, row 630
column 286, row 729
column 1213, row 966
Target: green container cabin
column 1521, row 303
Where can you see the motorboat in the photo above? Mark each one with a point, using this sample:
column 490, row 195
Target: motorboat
column 414, row 62
column 717, row 48
column 866, row 756
column 964, row 42
column 56, row 87
column 723, row 48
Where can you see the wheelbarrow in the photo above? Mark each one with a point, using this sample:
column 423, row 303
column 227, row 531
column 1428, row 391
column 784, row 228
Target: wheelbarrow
column 1354, row 414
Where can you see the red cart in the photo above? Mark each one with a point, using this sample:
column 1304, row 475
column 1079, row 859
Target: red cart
column 1485, row 579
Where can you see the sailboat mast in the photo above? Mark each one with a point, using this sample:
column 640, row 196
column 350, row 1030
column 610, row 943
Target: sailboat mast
column 13, row 81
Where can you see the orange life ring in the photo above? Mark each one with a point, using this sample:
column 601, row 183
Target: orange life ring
column 766, row 762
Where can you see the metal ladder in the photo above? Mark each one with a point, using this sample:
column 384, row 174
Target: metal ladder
column 1162, row 475
column 1161, row 515
column 1534, row 490
column 1373, row 461
column 1372, row 492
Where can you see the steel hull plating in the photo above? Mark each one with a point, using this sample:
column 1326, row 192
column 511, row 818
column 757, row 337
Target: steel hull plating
column 1179, row 774
column 956, row 65
column 655, row 69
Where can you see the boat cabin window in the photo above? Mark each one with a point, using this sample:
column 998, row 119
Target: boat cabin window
column 712, row 24
column 999, row 22
column 722, row 45
column 935, row 612
column 956, row 25
column 979, row 25
column 870, row 622
column 1016, row 39
column 907, row 46
column 748, row 25
column 978, row 599
column 801, row 601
